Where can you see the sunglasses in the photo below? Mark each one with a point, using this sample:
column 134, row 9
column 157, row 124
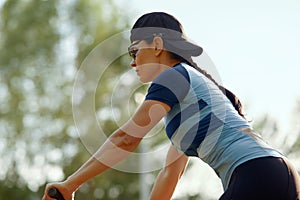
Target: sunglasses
column 132, row 50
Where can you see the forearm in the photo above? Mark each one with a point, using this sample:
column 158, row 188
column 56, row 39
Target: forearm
column 169, row 176
column 164, row 186
column 114, row 150
column 119, row 145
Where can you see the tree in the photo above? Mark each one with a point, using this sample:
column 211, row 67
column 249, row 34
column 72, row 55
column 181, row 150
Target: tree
column 42, row 45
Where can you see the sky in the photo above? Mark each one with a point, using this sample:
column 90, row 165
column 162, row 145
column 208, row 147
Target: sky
column 255, row 46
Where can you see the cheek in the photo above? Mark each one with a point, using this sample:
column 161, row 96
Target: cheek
column 146, row 56
column 142, row 60
column 139, row 60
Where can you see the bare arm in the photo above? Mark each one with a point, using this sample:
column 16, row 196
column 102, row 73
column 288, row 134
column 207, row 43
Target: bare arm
column 117, row 147
column 169, row 176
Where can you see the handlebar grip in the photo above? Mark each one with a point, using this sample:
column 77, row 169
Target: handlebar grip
column 54, row 193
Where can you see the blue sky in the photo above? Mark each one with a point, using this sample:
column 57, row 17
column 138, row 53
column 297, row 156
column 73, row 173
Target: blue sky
column 255, row 46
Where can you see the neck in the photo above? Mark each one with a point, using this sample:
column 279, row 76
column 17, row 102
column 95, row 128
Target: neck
column 168, row 61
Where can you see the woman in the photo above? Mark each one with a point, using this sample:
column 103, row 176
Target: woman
column 203, row 119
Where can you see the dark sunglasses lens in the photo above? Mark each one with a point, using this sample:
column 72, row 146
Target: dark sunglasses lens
column 132, row 53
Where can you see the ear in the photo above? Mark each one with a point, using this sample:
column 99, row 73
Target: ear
column 158, row 45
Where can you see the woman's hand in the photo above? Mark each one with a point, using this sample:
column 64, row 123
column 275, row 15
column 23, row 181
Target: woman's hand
column 117, row 147
column 62, row 188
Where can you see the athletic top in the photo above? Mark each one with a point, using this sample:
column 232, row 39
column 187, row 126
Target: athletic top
column 202, row 121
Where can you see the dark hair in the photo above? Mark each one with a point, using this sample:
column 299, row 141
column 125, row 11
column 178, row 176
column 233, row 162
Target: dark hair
column 170, row 29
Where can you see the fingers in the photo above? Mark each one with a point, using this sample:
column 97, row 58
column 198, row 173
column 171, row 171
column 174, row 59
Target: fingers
column 46, row 196
column 63, row 190
column 46, row 193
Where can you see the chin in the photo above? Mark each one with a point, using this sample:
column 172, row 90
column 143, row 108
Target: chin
column 142, row 80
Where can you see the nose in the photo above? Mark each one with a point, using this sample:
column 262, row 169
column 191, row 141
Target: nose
column 133, row 64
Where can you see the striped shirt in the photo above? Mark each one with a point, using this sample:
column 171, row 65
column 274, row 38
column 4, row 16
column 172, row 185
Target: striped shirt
column 202, row 121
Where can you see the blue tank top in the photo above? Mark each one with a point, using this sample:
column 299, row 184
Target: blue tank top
column 202, row 121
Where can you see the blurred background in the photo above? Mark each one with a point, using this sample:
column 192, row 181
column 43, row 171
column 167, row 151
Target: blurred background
column 255, row 47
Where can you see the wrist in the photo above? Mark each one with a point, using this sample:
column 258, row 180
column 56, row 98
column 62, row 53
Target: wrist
column 72, row 184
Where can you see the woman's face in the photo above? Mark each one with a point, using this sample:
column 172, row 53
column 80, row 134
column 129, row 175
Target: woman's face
column 144, row 60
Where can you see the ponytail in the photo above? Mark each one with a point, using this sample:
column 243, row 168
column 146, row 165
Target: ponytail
column 232, row 97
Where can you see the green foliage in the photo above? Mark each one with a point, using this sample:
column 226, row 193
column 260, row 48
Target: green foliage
column 28, row 31
column 40, row 43
column 26, row 112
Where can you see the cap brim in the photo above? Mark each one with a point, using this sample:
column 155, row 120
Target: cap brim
column 175, row 41
column 184, row 47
